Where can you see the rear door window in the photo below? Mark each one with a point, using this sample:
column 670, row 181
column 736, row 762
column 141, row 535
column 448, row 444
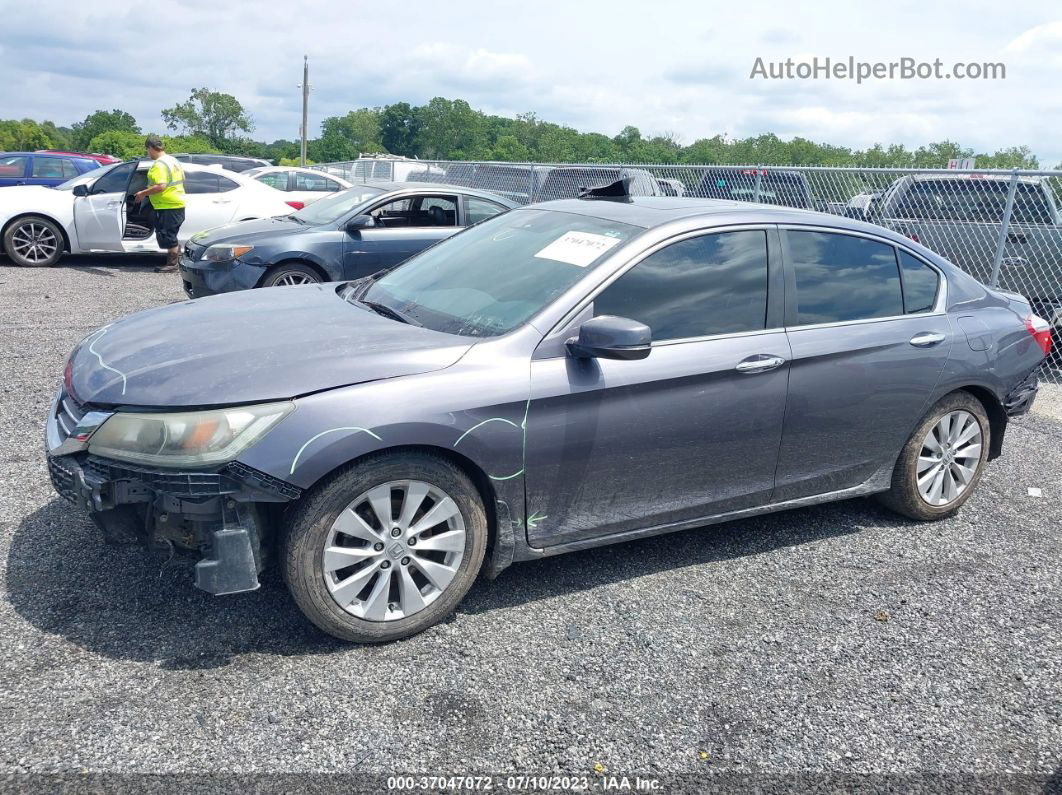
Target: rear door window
column 840, row 278
column 318, row 183
column 920, row 284
column 274, row 179
column 480, row 210
column 54, row 168
column 200, row 182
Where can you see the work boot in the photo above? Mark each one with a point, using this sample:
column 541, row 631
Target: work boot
column 171, row 262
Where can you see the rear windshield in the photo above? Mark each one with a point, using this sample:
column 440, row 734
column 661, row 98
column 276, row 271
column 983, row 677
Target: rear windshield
column 983, row 200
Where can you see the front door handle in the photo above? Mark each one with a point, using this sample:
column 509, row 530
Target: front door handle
column 760, row 363
column 927, row 339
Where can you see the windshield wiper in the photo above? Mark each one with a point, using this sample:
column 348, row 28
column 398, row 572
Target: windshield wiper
column 387, row 311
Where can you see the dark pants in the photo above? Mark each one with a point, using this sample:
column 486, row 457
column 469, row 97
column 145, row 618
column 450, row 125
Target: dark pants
column 167, row 224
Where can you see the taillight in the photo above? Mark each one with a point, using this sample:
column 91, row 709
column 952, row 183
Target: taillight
column 1041, row 332
column 296, row 205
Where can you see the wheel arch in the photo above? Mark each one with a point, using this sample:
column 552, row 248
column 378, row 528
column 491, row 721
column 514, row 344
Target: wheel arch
column 316, row 267
column 997, row 415
column 465, row 464
column 30, row 214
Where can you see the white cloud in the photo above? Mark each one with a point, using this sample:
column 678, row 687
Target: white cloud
column 595, row 65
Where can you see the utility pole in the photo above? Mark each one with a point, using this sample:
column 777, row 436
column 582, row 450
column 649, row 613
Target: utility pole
column 305, row 105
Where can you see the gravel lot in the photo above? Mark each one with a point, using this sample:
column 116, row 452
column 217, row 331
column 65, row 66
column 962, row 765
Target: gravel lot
column 836, row 639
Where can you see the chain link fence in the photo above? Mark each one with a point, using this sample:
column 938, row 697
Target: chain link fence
column 1003, row 227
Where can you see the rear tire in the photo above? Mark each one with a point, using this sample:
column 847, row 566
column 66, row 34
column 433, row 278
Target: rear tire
column 357, row 576
column 33, row 242
column 921, row 466
column 290, row 275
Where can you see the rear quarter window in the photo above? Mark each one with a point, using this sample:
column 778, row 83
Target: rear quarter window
column 840, row 278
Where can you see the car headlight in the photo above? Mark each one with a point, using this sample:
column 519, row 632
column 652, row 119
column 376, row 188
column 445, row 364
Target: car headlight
column 185, row 439
column 226, row 253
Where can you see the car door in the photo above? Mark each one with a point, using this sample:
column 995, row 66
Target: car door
column 403, row 226
column 688, row 432
column 100, row 217
column 869, row 340
column 13, row 169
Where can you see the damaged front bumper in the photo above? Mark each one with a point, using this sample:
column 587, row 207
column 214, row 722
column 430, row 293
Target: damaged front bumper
column 220, row 516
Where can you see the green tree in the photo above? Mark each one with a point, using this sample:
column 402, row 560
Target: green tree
column 451, row 130
column 120, row 143
column 208, row 114
column 399, row 128
column 345, row 137
column 102, row 121
column 509, row 149
column 61, row 137
column 24, row 135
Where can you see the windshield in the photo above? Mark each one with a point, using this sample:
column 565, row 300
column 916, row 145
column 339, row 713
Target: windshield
column 332, row 208
column 496, row 275
column 84, row 179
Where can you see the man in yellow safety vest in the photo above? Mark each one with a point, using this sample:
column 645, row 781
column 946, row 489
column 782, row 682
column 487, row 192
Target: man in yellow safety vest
column 165, row 190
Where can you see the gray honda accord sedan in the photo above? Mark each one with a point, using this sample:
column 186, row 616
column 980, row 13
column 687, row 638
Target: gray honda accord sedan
column 562, row 376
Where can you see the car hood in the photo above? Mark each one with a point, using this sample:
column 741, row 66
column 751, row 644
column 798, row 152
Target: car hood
column 249, row 231
column 250, row 346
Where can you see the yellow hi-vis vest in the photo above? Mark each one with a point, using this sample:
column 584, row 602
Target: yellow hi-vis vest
column 167, row 171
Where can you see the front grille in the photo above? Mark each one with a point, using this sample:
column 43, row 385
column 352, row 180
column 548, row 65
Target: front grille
column 68, row 414
column 182, row 484
column 62, row 478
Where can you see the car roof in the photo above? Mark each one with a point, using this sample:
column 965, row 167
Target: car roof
column 435, row 187
column 652, row 211
column 974, row 176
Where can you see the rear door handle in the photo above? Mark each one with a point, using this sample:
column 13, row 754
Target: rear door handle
column 927, row 339
column 760, row 363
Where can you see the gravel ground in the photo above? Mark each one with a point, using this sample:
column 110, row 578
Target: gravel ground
column 838, row 639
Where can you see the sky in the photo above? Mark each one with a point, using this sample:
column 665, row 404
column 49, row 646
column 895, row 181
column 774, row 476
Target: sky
column 665, row 67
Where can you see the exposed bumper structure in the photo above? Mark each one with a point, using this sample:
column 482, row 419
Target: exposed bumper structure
column 219, row 516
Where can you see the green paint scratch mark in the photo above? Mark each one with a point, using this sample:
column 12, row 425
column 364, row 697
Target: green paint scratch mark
column 481, row 424
column 507, row 477
column 94, row 352
column 295, row 462
column 534, row 519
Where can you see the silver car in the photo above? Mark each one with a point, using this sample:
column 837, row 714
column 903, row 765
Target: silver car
column 558, row 377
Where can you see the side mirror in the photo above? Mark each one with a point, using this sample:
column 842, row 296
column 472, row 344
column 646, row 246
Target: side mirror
column 81, row 190
column 610, row 337
column 359, row 222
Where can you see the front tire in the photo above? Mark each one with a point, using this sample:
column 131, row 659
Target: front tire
column 291, row 274
column 33, row 242
column 942, row 463
column 386, row 548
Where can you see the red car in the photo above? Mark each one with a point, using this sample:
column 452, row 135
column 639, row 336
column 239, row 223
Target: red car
column 104, row 160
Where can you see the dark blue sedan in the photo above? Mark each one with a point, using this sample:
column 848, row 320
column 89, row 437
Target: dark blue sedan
column 368, row 228
column 42, row 168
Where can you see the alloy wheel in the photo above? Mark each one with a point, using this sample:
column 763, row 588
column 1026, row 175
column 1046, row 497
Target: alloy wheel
column 294, row 279
column 393, row 550
column 950, row 458
column 34, row 242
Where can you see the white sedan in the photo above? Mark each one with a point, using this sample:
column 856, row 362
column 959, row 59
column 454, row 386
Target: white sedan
column 95, row 212
column 301, row 186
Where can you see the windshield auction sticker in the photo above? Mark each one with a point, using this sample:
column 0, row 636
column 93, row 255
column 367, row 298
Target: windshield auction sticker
column 577, row 248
